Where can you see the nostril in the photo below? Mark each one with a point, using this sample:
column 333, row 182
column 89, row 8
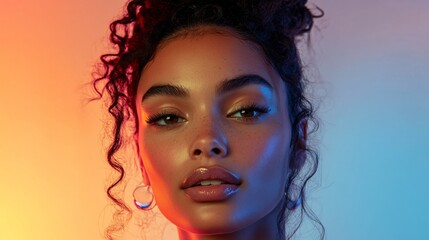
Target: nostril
column 211, row 152
column 216, row 151
column 197, row 152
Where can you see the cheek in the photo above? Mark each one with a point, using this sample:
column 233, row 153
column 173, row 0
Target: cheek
column 271, row 168
column 264, row 155
column 161, row 158
column 261, row 156
column 264, row 147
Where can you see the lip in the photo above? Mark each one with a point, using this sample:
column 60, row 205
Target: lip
column 211, row 193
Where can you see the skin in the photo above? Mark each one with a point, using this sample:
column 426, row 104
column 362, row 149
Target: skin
column 206, row 128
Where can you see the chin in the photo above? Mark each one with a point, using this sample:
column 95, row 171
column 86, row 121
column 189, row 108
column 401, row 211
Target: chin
column 218, row 221
column 214, row 228
column 213, row 220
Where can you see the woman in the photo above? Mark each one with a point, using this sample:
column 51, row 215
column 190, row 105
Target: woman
column 216, row 95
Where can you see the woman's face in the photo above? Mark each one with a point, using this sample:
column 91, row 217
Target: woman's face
column 214, row 132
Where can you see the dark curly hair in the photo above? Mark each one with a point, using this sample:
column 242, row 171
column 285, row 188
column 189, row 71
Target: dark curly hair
column 276, row 26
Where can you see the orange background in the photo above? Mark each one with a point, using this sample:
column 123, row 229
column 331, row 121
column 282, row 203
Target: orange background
column 52, row 163
column 53, row 170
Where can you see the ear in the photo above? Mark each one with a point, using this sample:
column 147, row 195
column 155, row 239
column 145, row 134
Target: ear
column 143, row 172
column 145, row 177
column 298, row 160
column 141, row 165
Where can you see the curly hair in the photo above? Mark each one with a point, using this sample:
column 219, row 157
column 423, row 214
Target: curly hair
column 276, row 26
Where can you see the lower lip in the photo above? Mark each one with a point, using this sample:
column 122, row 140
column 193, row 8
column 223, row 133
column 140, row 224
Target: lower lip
column 211, row 193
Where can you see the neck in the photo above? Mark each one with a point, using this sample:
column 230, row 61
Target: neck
column 265, row 228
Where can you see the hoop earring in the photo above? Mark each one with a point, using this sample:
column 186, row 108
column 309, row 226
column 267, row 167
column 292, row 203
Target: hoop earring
column 143, row 197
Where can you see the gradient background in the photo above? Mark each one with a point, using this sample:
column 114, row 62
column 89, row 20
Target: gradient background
column 372, row 60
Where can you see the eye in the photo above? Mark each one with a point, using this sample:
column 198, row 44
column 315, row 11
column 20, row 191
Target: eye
column 164, row 119
column 250, row 112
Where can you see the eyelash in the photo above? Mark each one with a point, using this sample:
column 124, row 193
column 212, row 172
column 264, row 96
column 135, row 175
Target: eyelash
column 151, row 120
column 253, row 107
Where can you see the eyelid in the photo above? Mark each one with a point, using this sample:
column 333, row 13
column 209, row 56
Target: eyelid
column 247, row 104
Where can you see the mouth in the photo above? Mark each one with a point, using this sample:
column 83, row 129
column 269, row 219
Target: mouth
column 211, row 184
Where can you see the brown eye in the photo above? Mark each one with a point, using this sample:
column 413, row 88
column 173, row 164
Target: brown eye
column 251, row 112
column 170, row 119
column 165, row 120
column 246, row 113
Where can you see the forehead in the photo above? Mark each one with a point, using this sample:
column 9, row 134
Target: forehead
column 206, row 57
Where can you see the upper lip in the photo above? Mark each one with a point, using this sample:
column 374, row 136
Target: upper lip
column 210, row 173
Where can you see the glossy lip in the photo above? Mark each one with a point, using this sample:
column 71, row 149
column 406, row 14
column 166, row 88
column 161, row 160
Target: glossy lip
column 211, row 193
column 210, row 173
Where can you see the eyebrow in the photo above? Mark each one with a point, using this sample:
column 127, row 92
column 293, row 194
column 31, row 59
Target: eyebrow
column 166, row 90
column 241, row 81
column 223, row 87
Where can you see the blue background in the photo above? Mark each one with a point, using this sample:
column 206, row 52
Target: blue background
column 372, row 58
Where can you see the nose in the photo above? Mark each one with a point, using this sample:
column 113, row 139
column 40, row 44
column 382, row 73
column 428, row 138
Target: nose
column 210, row 144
